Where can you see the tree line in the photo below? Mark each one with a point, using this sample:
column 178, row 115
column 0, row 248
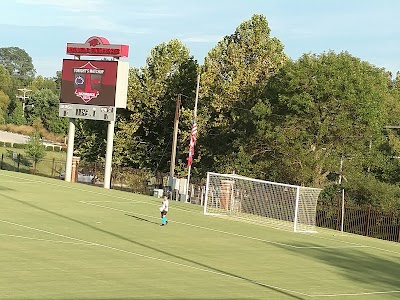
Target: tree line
column 261, row 114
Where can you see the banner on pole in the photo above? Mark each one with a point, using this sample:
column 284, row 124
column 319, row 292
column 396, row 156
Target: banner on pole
column 192, row 143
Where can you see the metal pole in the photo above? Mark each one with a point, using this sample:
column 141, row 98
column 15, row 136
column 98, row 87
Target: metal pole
column 341, row 170
column 296, row 210
column 188, row 180
column 110, row 143
column 197, row 96
column 175, row 137
column 70, row 150
column 206, row 195
column 195, row 116
column 342, row 223
column 340, row 182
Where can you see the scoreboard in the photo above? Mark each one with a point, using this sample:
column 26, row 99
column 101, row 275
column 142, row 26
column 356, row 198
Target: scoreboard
column 93, row 89
column 92, row 112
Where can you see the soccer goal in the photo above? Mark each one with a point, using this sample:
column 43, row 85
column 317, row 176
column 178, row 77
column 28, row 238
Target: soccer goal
column 281, row 205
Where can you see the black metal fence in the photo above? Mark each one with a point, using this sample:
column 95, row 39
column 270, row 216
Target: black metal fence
column 19, row 163
column 125, row 178
column 367, row 221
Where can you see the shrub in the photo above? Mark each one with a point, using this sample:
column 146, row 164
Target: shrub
column 19, row 146
column 1, row 144
column 27, row 130
column 21, row 129
column 49, row 148
column 64, row 149
column 57, row 148
column 7, row 144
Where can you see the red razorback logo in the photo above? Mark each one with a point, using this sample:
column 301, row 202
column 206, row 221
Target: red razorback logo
column 93, row 43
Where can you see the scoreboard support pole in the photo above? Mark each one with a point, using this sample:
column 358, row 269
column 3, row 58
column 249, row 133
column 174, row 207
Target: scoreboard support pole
column 109, row 151
column 70, row 150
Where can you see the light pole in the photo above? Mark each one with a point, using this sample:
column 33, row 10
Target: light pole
column 23, row 98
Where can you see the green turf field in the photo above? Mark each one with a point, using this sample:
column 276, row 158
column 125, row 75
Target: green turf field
column 63, row 240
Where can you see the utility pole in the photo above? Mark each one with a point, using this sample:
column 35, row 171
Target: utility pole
column 23, row 98
column 175, row 137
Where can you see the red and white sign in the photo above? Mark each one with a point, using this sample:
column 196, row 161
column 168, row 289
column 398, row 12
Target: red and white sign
column 94, row 82
column 97, row 46
column 87, row 77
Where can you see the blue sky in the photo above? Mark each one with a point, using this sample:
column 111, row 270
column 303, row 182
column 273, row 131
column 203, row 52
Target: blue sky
column 368, row 29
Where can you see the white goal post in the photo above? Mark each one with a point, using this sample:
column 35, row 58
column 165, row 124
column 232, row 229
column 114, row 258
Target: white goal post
column 281, row 205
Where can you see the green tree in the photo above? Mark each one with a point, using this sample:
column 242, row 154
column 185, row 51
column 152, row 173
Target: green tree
column 40, row 83
column 35, row 149
column 5, row 80
column 90, row 140
column 144, row 130
column 234, row 77
column 57, row 79
column 5, row 89
column 15, row 113
column 4, row 101
column 365, row 189
column 44, row 105
column 324, row 107
column 18, row 63
column 20, row 67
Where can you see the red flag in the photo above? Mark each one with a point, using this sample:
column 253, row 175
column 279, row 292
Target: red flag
column 192, row 142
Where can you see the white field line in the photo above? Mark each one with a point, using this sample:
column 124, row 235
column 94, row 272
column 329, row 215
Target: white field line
column 355, row 244
column 130, row 200
column 43, row 240
column 355, row 294
column 318, row 236
column 221, row 231
column 22, row 182
column 89, row 243
column 177, row 208
column 108, row 201
column 94, row 192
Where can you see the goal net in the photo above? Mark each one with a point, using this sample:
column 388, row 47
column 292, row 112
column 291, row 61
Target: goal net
column 281, row 205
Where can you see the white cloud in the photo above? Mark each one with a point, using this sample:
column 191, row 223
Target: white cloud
column 67, row 5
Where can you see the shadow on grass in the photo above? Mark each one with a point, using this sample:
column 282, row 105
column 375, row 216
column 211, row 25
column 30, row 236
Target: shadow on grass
column 131, row 298
column 290, row 294
column 3, row 188
column 141, row 219
column 357, row 265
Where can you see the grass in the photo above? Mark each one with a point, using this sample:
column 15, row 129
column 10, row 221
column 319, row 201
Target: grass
column 70, row 241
